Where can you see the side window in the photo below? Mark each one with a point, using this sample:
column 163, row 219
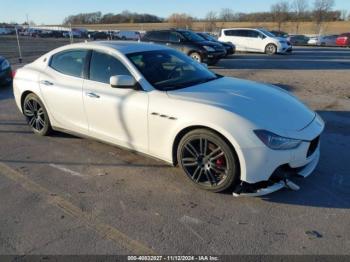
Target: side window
column 244, row 33
column 103, row 66
column 149, row 36
column 70, row 62
column 164, row 36
column 253, row 34
column 174, row 37
column 231, row 32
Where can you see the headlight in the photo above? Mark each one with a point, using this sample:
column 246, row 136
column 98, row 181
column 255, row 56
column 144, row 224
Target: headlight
column 5, row 64
column 209, row 48
column 277, row 142
column 283, row 42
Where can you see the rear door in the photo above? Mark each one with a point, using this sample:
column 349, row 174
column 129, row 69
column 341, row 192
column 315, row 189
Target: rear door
column 62, row 86
column 234, row 36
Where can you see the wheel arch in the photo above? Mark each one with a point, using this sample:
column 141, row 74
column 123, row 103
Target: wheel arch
column 188, row 129
column 24, row 95
column 191, row 51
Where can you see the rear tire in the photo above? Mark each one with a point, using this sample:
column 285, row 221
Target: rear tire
column 208, row 161
column 36, row 115
column 271, row 49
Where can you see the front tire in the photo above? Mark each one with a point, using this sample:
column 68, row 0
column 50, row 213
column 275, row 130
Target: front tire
column 271, row 49
column 36, row 115
column 208, row 161
column 197, row 57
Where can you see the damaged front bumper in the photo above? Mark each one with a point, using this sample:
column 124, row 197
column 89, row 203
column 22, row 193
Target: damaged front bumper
column 280, row 179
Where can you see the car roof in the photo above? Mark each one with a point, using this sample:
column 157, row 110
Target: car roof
column 124, row 47
column 243, row 28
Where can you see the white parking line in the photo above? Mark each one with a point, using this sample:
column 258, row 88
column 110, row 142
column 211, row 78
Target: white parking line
column 66, row 170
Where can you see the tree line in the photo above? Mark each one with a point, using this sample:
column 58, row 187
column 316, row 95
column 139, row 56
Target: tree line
column 280, row 12
column 111, row 18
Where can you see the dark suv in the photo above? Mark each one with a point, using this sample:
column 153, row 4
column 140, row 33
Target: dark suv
column 189, row 43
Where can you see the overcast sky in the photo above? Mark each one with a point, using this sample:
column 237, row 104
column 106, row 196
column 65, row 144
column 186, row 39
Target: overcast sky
column 53, row 12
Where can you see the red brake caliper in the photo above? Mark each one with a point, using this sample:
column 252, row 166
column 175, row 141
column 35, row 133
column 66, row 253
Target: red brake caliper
column 220, row 162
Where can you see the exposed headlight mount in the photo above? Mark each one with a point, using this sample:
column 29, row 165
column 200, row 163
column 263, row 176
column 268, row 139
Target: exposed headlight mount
column 277, row 142
column 5, row 64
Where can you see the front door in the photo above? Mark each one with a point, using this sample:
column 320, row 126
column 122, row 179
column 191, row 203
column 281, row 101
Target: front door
column 115, row 115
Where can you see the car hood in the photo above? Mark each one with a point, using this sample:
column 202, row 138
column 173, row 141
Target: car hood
column 211, row 44
column 267, row 106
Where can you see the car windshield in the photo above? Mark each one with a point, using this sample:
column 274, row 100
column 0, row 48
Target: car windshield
column 208, row 37
column 192, row 36
column 267, row 33
column 168, row 69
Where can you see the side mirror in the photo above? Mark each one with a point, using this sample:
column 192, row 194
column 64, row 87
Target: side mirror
column 122, row 81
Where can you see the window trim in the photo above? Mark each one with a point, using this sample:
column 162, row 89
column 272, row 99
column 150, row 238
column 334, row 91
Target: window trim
column 67, row 51
column 138, row 86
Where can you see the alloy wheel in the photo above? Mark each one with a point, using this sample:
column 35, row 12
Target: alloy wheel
column 35, row 114
column 196, row 57
column 204, row 162
column 270, row 49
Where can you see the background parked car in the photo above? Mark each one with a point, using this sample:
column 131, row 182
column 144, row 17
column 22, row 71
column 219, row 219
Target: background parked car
column 5, row 31
column 30, row 32
column 5, row 72
column 129, row 35
column 326, row 40
column 298, row 40
column 189, row 43
column 343, row 40
column 255, row 40
column 230, row 47
column 100, row 36
column 54, row 33
column 280, row 34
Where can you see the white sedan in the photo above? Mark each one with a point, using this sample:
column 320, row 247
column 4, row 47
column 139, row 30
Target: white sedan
column 223, row 132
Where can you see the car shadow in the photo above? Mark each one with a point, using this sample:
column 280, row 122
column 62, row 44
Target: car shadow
column 329, row 185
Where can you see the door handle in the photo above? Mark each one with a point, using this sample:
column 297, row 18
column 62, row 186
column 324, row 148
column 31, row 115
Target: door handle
column 167, row 44
column 92, row 95
column 47, row 83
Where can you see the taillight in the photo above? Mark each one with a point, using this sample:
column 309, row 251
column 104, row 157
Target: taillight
column 13, row 73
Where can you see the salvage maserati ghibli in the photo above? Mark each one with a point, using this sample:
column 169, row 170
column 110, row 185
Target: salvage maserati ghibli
column 222, row 132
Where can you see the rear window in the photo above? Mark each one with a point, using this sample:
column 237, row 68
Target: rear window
column 230, row 33
column 70, row 62
column 157, row 36
column 239, row 33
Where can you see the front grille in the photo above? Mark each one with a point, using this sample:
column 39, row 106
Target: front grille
column 313, row 146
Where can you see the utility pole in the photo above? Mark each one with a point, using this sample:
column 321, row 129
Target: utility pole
column 71, row 34
column 19, row 47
